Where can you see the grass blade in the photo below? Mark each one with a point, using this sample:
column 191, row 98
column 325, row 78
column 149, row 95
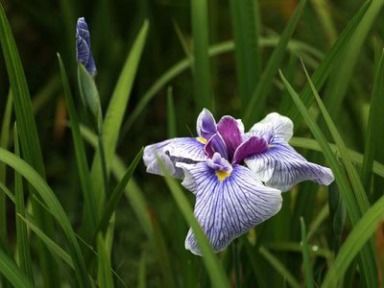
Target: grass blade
column 23, row 247
column 104, row 275
column 256, row 103
column 373, row 139
column 10, row 271
column 308, row 274
column 358, row 237
column 294, row 46
column 55, row 208
column 171, row 114
column 115, row 112
column 279, row 267
column 90, row 208
column 322, row 72
column 118, row 192
column 343, row 73
column 29, row 139
column 201, row 67
column 346, row 191
column 246, row 22
column 214, row 268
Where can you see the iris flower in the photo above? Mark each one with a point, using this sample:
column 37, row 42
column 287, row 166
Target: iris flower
column 83, row 46
column 236, row 177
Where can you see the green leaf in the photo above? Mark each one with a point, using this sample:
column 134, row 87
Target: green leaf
column 342, row 74
column 257, row 102
column 171, row 114
column 88, row 92
column 55, row 208
column 279, row 267
column 29, row 139
column 347, row 193
column 322, row 72
column 51, row 245
column 246, row 23
column 307, row 266
column 9, row 269
column 213, row 266
column 115, row 112
column 374, row 136
column 294, row 46
column 22, row 241
column 104, row 275
column 90, row 208
column 118, row 192
column 359, row 236
column 201, row 68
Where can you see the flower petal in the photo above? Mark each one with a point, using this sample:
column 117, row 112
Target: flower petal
column 83, row 46
column 229, row 208
column 185, row 149
column 216, row 144
column 249, row 147
column 274, row 125
column 232, row 131
column 282, row 167
column 206, row 124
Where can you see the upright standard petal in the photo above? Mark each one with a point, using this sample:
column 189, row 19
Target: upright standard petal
column 274, row 125
column 83, row 46
column 185, row 150
column 281, row 167
column 206, row 124
column 227, row 208
column 232, row 131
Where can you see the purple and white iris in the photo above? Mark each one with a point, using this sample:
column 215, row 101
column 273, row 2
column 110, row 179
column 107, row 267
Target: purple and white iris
column 83, row 46
column 237, row 177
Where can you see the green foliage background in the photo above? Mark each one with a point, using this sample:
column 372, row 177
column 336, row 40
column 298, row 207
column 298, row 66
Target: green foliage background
column 87, row 214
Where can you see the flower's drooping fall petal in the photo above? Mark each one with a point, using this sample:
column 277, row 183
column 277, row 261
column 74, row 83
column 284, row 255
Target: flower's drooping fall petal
column 232, row 132
column 186, row 150
column 228, row 207
column 205, row 124
column 83, row 46
column 251, row 146
column 274, row 124
column 281, row 167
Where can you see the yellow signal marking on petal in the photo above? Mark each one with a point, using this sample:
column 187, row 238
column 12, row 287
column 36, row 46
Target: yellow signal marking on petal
column 222, row 175
column 202, row 140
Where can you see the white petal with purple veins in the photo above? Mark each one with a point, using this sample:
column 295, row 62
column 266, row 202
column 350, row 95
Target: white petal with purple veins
column 185, row 149
column 274, row 125
column 281, row 167
column 229, row 208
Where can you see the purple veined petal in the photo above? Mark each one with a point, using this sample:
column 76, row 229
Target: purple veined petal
column 185, row 149
column 281, row 167
column 219, row 163
column 216, row 144
column 232, row 131
column 252, row 146
column 229, row 208
column 83, row 46
column 206, row 124
column 274, row 125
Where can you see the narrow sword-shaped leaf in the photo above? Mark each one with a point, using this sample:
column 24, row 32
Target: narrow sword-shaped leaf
column 374, row 136
column 115, row 112
column 246, row 23
column 346, row 191
column 23, row 244
column 9, row 269
column 104, row 275
column 56, row 210
column 201, row 68
column 29, row 139
column 257, row 101
column 279, row 267
column 90, row 208
column 307, row 266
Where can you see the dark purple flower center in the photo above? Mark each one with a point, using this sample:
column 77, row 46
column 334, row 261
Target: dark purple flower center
column 229, row 143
